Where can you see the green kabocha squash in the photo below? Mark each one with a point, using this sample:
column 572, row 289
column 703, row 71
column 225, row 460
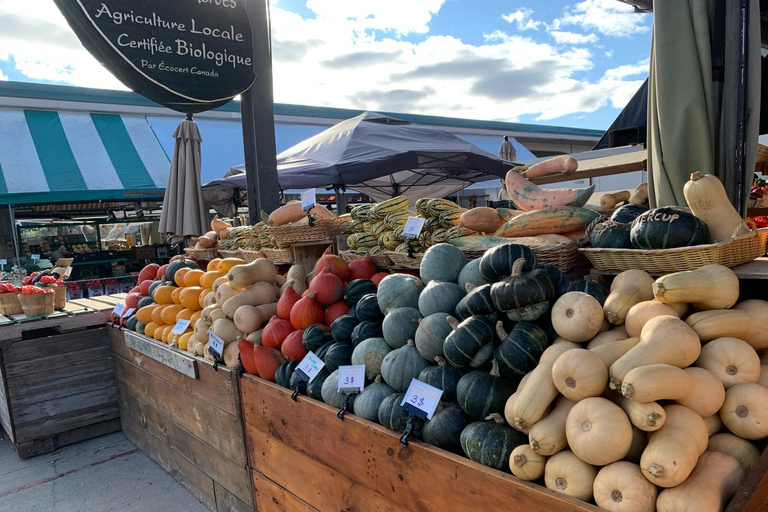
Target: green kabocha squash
column 330, row 393
column 130, row 324
column 146, row 301
column 440, row 297
column 445, row 428
column 367, row 309
column 559, row 281
column 175, row 266
column 431, row 334
column 152, row 287
column 315, row 336
column 592, row 288
column 342, row 328
column 371, row 353
column 140, row 327
column 480, row 393
column 520, row 350
column 611, row 235
column 525, row 296
column 497, row 262
column 470, row 274
column 666, row 228
column 477, row 302
column 399, row 291
column 400, row 325
column 442, row 262
column 368, row 402
column 401, row 366
column 394, row 417
column 443, row 377
column 315, row 388
column 628, row 213
column 324, row 349
column 285, row 372
column 357, row 289
column 338, row 354
column 365, row 330
column 491, row 442
column 467, row 339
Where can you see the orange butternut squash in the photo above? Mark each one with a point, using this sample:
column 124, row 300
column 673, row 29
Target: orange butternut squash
column 621, row 487
column 579, row 374
column 547, row 437
column 647, row 417
column 731, row 360
column 740, row 449
column 640, row 313
column 260, row 293
column 568, row 474
column 608, row 201
column 259, row 270
column 562, row 164
column 697, row 287
column 708, row 201
column 526, row 464
column 611, row 352
column 744, row 411
column 577, row 316
column 598, row 431
column 249, row 318
column 627, row 289
column 615, row 333
column 746, row 321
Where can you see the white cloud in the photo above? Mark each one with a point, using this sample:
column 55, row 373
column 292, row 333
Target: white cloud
column 609, row 17
column 627, row 70
column 573, row 37
column 522, row 19
column 399, row 16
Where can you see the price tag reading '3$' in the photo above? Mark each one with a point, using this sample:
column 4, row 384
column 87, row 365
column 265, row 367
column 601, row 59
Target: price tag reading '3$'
column 413, row 227
column 311, row 366
column 351, row 379
column 421, row 399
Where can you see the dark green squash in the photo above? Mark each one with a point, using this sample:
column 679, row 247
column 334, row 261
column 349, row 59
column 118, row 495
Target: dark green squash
column 491, row 442
column 175, row 266
column 526, row 295
column 367, row 309
column 628, row 213
column 368, row 402
column 401, row 366
column 666, row 228
column 467, row 338
column 440, row 297
column 399, row 291
column 315, row 336
column 145, row 301
column 442, row 377
column 315, row 388
column 140, row 327
column 470, row 274
column 520, row 350
column 480, row 393
column 611, row 235
column 357, row 289
column 330, row 392
column 342, row 328
column 497, row 262
column 131, row 323
column 152, row 288
column 477, row 302
column 352, row 312
column 559, row 281
column 445, row 428
column 365, row 330
column 592, row 288
column 442, row 262
column 400, row 325
column 371, row 353
column 324, row 349
column 285, row 372
column 431, row 334
column 338, row 354
column 394, row 417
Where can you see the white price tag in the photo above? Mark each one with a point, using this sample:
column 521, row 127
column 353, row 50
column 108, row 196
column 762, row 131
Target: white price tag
column 308, row 199
column 34, row 256
column 67, row 273
column 311, row 366
column 351, row 379
column 413, row 227
column 180, row 327
column 215, row 344
column 3, row 262
column 422, row 397
column 128, row 313
column 118, row 311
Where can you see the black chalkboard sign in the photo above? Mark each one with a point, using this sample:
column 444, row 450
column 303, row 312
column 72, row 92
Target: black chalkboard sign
column 188, row 55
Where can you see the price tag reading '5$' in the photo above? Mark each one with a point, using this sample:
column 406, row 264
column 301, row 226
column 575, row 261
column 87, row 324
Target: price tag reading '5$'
column 421, row 398
column 413, row 227
column 308, row 199
column 351, row 379
column 311, row 366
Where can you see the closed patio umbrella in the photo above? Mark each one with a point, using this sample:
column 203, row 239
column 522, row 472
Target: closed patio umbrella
column 507, row 150
column 184, row 212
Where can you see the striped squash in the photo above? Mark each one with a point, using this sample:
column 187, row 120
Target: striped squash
column 395, row 219
column 450, row 218
column 437, row 206
column 361, row 212
column 432, row 224
column 457, row 231
column 396, row 204
column 378, row 228
column 367, row 226
column 438, row 236
column 398, row 232
column 388, row 240
column 403, row 247
column 365, row 240
column 422, row 204
column 352, row 241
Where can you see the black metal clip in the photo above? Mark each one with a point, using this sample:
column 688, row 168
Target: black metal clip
column 297, row 388
column 408, row 430
column 216, row 365
column 311, row 219
column 345, row 406
column 239, row 369
column 409, row 245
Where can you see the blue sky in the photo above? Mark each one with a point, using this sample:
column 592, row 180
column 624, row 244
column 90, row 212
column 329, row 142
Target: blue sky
column 558, row 62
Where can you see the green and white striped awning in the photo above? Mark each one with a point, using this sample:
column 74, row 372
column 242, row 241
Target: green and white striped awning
column 56, row 156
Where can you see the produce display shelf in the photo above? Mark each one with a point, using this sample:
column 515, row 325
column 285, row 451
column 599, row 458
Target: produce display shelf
column 98, row 262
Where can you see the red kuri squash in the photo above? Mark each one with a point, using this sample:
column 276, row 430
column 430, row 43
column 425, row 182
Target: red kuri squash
column 245, row 348
column 292, row 348
column 327, row 286
column 267, row 360
column 286, row 302
column 361, row 268
column 336, row 263
column 274, row 333
column 306, row 312
column 335, row 310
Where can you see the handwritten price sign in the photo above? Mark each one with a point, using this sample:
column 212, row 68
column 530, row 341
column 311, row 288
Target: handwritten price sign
column 215, row 345
column 118, row 311
column 421, row 397
column 308, row 199
column 180, row 327
column 413, row 227
column 311, row 366
column 351, row 379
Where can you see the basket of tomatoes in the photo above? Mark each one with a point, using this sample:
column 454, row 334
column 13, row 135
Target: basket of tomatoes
column 37, row 301
column 9, row 299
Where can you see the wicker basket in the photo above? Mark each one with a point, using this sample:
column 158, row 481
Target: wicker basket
column 202, row 254
column 279, row 256
column 9, row 304
column 379, row 260
column 37, row 304
column 250, row 255
column 59, row 297
column 237, row 253
column 402, row 260
column 322, row 230
column 735, row 251
column 565, row 256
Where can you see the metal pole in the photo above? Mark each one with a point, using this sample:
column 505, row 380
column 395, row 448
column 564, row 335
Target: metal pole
column 258, row 118
column 12, row 219
column 341, row 200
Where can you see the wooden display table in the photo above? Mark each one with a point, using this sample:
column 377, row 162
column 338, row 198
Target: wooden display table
column 57, row 386
column 185, row 416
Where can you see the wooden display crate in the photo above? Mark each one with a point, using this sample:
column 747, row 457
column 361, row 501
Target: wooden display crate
column 184, row 415
column 303, row 459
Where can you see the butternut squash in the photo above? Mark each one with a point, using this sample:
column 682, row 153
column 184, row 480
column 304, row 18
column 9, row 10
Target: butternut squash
column 598, row 431
column 562, row 164
column 231, row 355
column 528, row 196
column 708, row 287
column 191, row 344
column 746, row 321
column 219, row 281
column 694, row 388
column 260, row 293
column 710, row 487
column 526, row 464
column 640, row 195
column 648, row 417
column 566, row 473
column 621, row 487
column 482, row 219
column 201, row 332
column 209, row 300
column 259, row 270
column 547, row 437
column 509, row 406
column 673, row 450
column 249, row 318
column 740, row 449
column 708, row 201
column 577, row 316
column 616, row 333
column 255, row 337
column 731, row 360
column 608, row 201
column 296, row 273
column 579, row 374
column 763, row 379
column 744, row 411
column 539, row 391
column 225, row 329
column 224, row 293
column 628, row 288
column 611, row 352
column 640, row 313
column 655, row 347
column 714, row 424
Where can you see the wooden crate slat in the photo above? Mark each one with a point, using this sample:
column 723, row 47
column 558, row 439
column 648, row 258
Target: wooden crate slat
column 77, row 384
column 43, row 382
column 93, row 395
column 62, row 322
column 53, row 345
column 752, row 496
column 270, row 497
column 228, row 502
column 164, row 355
column 49, row 364
column 49, row 427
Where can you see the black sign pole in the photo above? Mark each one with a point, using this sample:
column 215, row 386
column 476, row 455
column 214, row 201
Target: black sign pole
column 258, row 118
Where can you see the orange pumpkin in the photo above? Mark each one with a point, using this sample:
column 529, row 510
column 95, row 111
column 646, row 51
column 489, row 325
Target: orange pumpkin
column 178, row 277
column 190, row 297
column 163, row 293
column 192, row 278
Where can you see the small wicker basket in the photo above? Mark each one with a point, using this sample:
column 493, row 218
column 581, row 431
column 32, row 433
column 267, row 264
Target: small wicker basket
column 250, row 256
column 279, row 256
column 379, row 260
column 9, row 304
column 321, row 230
column 59, row 297
column 202, row 254
column 403, row 260
column 237, row 253
column 38, row 304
